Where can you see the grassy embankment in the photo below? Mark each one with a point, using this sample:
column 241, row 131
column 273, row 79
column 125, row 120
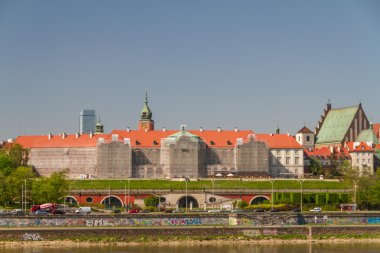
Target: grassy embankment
column 207, row 184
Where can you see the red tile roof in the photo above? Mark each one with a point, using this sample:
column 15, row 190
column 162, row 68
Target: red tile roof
column 305, row 130
column 325, row 152
column 42, row 141
column 279, row 141
column 358, row 147
column 376, row 129
column 214, row 138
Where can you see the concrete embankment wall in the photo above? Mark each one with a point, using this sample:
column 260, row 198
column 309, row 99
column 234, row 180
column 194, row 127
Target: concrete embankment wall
column 130, row 234
column 180, row 220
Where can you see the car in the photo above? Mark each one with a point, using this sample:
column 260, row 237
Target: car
column 133, row 211
column 41, row 212
column 168, row 211
column 215, row 211
column 16, row 212
column 316, row 210
column 274, row 210
column 296, row 210
column 237, row 211
column 116, row 211
column 145, row 211
column 58, row 212
column 259, row 210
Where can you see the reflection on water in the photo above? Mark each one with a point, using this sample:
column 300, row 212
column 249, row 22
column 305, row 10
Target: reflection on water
column 244, row 248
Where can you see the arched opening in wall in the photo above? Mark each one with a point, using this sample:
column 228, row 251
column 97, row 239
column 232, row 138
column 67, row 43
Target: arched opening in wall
column 259, row 200
column 182, row 202
column 112, row 201
column 71, row 201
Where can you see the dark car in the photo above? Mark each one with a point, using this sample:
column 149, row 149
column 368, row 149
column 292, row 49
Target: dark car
column 41, row 212
column 116, row 211
column 168, row 211
column 274, row 210
column 297, row 210
column 58, row 212
column 259, row 210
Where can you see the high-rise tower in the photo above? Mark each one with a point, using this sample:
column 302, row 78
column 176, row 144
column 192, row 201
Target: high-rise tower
column 146, row 123
column 87, row 121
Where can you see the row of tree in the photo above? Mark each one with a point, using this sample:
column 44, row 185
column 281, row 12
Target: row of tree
column 18, row 180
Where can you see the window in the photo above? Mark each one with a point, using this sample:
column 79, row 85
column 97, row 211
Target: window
column 296, row 160
column 212, row 143
column 278, row 152
column 287, row 160
column 307, row 138
column 287, row 151
column 279, row 159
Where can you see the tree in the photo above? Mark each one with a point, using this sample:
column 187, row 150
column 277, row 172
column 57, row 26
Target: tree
column 242, row 204
column 51, row 189
column 151, row 201
column 315, row 166
column 15, row 182
column 18, row 155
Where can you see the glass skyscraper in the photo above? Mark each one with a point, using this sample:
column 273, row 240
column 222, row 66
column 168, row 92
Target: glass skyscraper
column 87, row 121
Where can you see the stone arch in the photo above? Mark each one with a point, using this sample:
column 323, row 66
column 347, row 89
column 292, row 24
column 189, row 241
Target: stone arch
column 112, row 201
column 258, row 199
column 182, row 202
column 70, row 200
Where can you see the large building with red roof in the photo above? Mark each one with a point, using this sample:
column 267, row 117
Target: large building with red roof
column 149, row 153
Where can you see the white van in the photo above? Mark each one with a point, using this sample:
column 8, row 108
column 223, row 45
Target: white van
column 316, row 210
column 83, row 210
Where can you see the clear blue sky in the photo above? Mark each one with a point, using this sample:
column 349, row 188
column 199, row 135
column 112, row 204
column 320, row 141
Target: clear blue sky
column 251, row 64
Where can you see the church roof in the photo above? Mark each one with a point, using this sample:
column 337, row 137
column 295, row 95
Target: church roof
column 367, row 135
column 336, row 125
column 304, row 130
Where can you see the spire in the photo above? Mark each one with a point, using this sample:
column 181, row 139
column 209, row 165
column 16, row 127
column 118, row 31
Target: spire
column 146, row 123
column 99, row 127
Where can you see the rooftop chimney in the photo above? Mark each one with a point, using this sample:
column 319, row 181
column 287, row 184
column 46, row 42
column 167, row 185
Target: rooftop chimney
column 128, row 130
column 50, row 136
column 219, row 130
column 77, row 135
column 164, row 129
column 236, row 129
column 63, row 135
column 91, row 134
column 201, row 129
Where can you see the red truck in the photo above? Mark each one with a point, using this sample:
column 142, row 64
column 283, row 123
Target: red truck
column 49, row 207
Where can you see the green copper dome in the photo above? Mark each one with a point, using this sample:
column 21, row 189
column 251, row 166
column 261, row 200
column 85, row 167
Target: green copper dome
column 185, row 133
column 146, row 114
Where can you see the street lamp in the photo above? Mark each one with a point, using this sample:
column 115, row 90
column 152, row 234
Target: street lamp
column 129, row 193
column 272, row 181
column 355, row 188
column 213, row 192
column 186, row 194
column 301, row 182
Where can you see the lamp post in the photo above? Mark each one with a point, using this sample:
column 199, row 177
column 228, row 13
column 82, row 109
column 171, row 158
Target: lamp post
column 301, row 182
column 355, row 188
column 186, row 195
column 271, row 181
column 213, row 192
column 129, row 193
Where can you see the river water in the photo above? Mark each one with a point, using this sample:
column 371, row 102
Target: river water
column 245, row 248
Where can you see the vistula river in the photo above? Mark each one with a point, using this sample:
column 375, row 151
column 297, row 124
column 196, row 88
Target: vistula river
column 244, row 248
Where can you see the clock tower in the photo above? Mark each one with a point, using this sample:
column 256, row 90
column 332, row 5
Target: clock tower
column 146, row 123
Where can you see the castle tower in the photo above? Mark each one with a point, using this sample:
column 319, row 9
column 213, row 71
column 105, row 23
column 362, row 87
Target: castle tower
column 99, row 127
column 146, row 123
